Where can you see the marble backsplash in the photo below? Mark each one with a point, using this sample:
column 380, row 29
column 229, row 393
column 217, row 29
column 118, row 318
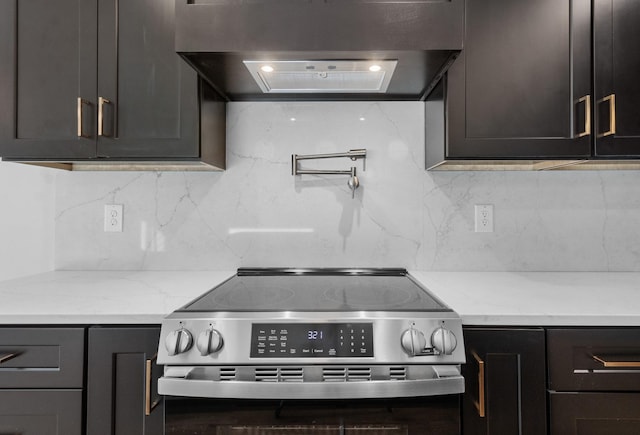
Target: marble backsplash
column 257, row 214
column 27, row 230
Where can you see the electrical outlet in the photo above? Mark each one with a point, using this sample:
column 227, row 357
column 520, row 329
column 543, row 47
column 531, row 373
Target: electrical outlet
column 484, row 218
column 113, row 216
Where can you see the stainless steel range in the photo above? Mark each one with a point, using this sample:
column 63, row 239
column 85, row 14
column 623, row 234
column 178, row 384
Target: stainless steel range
column 313, row 334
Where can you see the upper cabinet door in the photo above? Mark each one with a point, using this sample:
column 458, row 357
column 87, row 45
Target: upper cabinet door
column 147, row 95
column 617, row 72
column 47, row 78
column 521, row 87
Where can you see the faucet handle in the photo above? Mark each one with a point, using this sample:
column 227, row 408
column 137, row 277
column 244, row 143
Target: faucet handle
column 353, row 182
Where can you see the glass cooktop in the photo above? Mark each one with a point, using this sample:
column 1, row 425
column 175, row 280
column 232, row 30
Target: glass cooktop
column 317, row 290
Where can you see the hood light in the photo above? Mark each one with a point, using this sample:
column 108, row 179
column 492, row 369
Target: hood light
column 322, row 76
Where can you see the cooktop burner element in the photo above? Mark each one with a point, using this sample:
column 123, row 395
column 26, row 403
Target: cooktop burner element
column 310, row 334
column 375, row 298
column 239, row 297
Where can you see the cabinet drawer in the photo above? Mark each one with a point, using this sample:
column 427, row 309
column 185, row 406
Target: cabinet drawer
column 598, row 359
column 41, row 412
column 594, row 413
column 41, row 357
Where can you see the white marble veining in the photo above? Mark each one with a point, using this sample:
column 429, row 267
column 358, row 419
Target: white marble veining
column 257, row 214
column 544, row 221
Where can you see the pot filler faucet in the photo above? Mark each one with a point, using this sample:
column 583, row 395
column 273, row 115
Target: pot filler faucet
column 354, row 155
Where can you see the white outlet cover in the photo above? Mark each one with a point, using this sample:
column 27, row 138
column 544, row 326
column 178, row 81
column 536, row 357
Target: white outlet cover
column 113, row 217
column 484, row 218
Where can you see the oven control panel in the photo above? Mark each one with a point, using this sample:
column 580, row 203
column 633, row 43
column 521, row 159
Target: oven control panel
column 311, row 340
column 308, row 337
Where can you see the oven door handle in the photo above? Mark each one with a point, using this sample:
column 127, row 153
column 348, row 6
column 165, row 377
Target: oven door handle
column 189, row 387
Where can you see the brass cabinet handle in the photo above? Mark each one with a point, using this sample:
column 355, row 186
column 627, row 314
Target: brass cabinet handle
column 101, row 102
column 480, row 405
column 616, row 361
column 7, row 357
column 612, row 114
column 82, row 101
column 587, row 116
column 149, row 406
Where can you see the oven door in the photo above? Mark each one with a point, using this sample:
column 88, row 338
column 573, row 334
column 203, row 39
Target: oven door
column 436, row 415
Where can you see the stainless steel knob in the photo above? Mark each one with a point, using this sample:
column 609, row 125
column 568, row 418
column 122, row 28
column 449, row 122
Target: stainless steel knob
column 444, row 341
column 209, row 341
column 413, row 341
column 178, row 341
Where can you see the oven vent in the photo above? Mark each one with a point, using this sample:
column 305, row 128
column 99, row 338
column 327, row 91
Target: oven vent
column 266, row 374
column 279, row 374
column 359, row 374
column 398, row 373
column 227, row 373
column 333, row 374
column 291, row 374
column 346, row 374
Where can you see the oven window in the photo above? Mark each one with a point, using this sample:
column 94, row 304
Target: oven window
column 437, row 415
column 317, row 430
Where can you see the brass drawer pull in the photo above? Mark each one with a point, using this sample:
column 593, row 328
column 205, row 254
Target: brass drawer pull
column 618, row 361
column 7, row 357
column 480, row 405
column 587, row 116
column 149, row 406
column 612, row 115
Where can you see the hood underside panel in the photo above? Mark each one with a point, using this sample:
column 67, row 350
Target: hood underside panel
column 420, row 37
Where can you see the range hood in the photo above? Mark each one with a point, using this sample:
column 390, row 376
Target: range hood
column 291, row 50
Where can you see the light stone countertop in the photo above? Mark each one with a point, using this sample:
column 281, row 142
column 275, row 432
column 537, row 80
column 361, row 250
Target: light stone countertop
column 92, row 297
column 481, row 298
column 539, row 298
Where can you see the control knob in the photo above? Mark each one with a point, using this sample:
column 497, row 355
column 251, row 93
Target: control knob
column 413, row 341
column 178, row 341
column 444, row 341
column 209, row 341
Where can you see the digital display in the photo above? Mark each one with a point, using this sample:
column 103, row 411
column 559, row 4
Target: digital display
column 311, row 340
column 314, row 335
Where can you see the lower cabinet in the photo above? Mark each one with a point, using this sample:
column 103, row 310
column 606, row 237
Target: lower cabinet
column 574, row 413
column 41, row 380
column 41, row 412
column 122, row 380
column 594, row 381
column 592, row 386
column 505, row 376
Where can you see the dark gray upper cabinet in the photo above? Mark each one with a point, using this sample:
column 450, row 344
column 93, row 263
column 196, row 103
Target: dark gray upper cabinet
column 516, row 90
column 99, row 80
column 47, row 61
column 616, row 68
column 152, row 93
